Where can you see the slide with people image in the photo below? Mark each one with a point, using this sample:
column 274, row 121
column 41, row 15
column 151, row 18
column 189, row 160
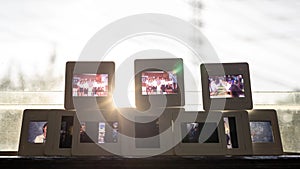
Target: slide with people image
column 90, row 85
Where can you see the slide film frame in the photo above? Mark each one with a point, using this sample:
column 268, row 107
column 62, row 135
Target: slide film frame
column 32, row 124
column 90, row 146
column 82, row 100
column 177, row 96
column 273, row 147
column 242, row 133
column 241, row 101
column 159, row 120
column 62, row 133
column 194, row 149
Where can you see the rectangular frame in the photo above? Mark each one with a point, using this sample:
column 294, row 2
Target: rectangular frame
column 88, row 102
column 200, row 148
column 267, row 148
column 242, row 132
column 35, row 115
column 91, row 148
column 53, row 147
column 226, row 69
column 133, row 147
column 158, row 100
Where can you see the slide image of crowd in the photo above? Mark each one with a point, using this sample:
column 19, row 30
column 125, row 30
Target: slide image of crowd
column 228, row 86
column 261, row 132
column 37, row 132
column 90, row 85
column 159, row 83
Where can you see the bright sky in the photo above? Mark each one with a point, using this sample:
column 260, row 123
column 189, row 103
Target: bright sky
column 264, row 33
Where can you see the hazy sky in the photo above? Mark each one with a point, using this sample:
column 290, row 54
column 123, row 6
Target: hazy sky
column 264, row 33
